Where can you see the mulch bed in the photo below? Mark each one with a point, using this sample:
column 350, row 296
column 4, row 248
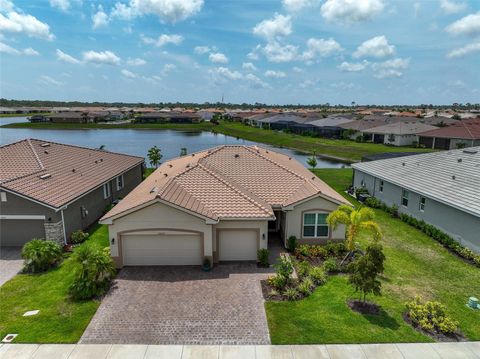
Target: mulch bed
column 439, row 337
column 363, row 307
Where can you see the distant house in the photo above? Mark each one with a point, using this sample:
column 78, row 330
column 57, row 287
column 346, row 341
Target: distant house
column 38, row 118
column 168, row 117
column 48, row 190
column 398, row 133
column 329, row 127
column 69, row 117
column 465, row 133
column 441, row 188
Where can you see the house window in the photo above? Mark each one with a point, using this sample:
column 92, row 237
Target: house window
column 107, row 190
column 380, row 187
column 315, row 224
column 405, row 194
column 421, row 205
column 119, row 182
column 3, row 196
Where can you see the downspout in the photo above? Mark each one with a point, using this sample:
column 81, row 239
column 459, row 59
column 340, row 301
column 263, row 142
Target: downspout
column 64, row 232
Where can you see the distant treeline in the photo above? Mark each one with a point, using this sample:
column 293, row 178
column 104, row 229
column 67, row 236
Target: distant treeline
column 246, row 106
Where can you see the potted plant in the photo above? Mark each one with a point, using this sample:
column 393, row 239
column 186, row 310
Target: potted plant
column 206, row 265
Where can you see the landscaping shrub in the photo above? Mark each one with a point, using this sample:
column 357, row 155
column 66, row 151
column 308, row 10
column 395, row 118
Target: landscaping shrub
column 360, row 190
column 317, row 274
column 306, row 286
column 277, row 282
column 292, row 243
column 94, row 273
column 318, row 251
column 303, row 269
column 40, row 255
column 303, row 249
column 78, row 237
column 335, row 249
column 262, row 257
column 283, row 267
column 291, row 293
column 373, row 202
column 430, row 316
column 330, row 265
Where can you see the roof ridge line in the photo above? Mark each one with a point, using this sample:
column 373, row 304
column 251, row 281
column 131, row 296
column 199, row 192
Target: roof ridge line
column 35, row 154
column 211, row 172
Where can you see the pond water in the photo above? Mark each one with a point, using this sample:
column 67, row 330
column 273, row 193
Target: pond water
column 138, row 141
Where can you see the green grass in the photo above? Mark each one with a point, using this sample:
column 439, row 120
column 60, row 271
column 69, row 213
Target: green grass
column 415, row 264
column 60, row 320
column 339, row 149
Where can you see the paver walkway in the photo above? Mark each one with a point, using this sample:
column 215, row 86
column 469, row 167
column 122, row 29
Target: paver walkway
column 183, row 305
column 10, row 263
column 468, row 350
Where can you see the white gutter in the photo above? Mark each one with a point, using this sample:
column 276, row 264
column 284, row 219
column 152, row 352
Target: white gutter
column 64, row 232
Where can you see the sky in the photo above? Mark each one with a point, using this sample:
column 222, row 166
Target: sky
column 383, row 52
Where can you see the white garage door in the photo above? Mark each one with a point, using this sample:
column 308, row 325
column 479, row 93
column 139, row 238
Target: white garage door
column 238, row 245
column 162, row 249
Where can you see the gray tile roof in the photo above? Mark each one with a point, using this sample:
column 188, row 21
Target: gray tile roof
column 450, row 177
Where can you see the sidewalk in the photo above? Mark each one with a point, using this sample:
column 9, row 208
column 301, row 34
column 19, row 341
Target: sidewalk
column 465, row 350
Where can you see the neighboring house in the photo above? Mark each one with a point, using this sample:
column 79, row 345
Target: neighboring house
column 398, row 133
column 69, row 117
column 220, row 204
column 168, row 117
column 441, row 188
column 465, row 133
column 358, row 126
column 329, row 127
column 48, row 190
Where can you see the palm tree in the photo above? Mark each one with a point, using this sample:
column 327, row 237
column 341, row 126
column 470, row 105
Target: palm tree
column 154, row 156
column 357, row 221
column 312, row 161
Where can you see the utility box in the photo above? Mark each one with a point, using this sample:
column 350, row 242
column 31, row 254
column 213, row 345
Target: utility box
column 473, row 303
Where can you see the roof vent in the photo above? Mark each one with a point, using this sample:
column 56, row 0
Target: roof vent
column 165, row 174
column 46, row 152
column 470, row 152
column 96, row 161
column 170, row 165
column 459, row 160
column 453, row 177
column 73, row 170
column 403, row 164
column 154, row 189
column 193, row 154
column 46, row 144
column 237, row 155
column 45, row 176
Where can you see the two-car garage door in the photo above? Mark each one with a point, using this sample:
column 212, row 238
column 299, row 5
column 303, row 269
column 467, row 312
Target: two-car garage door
column 169, row 248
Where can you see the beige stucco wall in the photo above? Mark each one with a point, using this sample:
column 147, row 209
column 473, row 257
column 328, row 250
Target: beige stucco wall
column 294, row 220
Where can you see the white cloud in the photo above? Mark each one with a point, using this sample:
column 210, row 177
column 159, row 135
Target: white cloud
column 468, row 25
column 351, row 10
column 256, row 82
column 224, row 73
column 307, row 83
column 465, row 50
column 167, row 10
column 390, row 68
column 102, row 57
column 321, row 48
column 353, row 66
column 47, row 80
column 270, row 29
column 6, row 49
column 253, row 55
column 167, row 68
column 63, row 5
column 162, row 40
column 297, row 69
column 136, row 62
column 29, row 25
column 276, row 52
column 275, row 74
column 452, row 7
column 100, row 18
column 62, row 56
column 375, row 47
column 201, row 50
column 298, row 5
column 6, row 5
column 249, row 66
column 218, row 58
column 128, row 74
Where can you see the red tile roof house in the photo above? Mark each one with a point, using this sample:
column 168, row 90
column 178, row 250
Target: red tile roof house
column 48, row 190
column 464, row 133
column 220, row 204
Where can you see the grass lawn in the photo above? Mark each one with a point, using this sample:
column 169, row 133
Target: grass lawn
column 60, row 320
column 415, row 264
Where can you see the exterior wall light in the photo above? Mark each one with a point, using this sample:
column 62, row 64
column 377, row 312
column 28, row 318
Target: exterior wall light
column 113, row 240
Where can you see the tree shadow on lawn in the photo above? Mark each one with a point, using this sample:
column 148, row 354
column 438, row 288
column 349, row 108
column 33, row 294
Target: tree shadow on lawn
column 382, row 319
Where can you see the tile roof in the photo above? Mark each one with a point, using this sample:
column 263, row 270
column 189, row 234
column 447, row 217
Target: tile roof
column 229, row 182
column 71, row 170
column 451, row 177
column 465, row 129
column 401, row 128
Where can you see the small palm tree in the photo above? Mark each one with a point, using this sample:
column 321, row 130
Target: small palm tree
column 356, row 221
column 154, row 156
column 312, row 161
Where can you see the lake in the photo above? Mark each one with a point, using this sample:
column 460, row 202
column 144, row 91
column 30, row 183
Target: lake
column 138, row 141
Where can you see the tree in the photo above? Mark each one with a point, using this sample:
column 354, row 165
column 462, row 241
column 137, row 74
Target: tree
column 312, row 161
column 183, row 151
column 356, row 221
column 154, row 156
column 365, row 270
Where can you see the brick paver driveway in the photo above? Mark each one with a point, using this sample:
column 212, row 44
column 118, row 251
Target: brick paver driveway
column 183, row 305
column 10, row 263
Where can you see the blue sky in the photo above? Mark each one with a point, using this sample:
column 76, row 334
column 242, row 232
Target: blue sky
column 270, row 51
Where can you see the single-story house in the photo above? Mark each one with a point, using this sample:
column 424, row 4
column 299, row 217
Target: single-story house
column 220, row 204
column 464, row 133
column 168, row 117
column 398, row 133
column 48, row 190
column 441, row 188
column 69, row 117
